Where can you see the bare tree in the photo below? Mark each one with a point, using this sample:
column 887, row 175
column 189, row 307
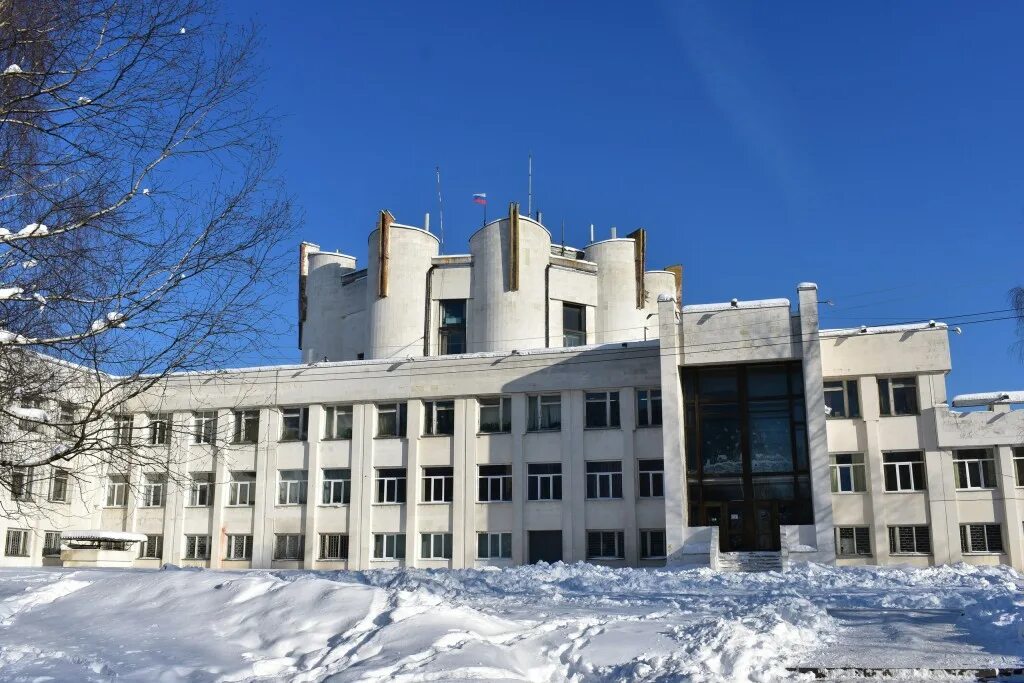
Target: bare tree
column 140, row 226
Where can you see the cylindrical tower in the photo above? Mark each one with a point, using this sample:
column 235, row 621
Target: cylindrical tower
column 617, row 317
column 396, row 290
column 322, row 329
column 507, row 310
column 656, row 283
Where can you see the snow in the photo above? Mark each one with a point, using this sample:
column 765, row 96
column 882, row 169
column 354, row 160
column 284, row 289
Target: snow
column 30, row 263
column 145, row 191
column 535, row 623
column 92, row 535
column 7, row 293
column 8, row 337
column 84, row 100
column 735, row 304
column 34, row 414
column 881, row 329
column 988, row 398
column 34, row 229
column 13, row 69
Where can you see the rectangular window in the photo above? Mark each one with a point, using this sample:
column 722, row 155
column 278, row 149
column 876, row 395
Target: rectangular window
column 602, row 409
column 495, row 414
column 123, row 430
column 545, row 412
column 337, row 486
column 909, row 540
column 975, row 469
column 981, row 538
column 153, row 491
column 852, row 541
column 247, row 426
column 204, row 429
column 294, row 424
column 21, row 483
column 574, row 324
column 651, row 478
column 51, row 544
column 495, row 484
column 544, row 481
column 849, row 474
column 604, row 479
column 606, row 545
column 841, row 398
column 117, row 491
column 391, row 420
column 17, row 543
column 291, row 487
column 339, row 422
column 333, row 546
column 66, row 419
column 452, row 329
column 904, row 471
column 389, row 546
column 652, row 544
column 493, row 546
column 391, row 485
column 197, row 547
column 436, row 546
column 159, row 429
column 648, row 407
column 897, row 396
column 33, row 415
column 239, row 547
column 289, row 546
column 439, row 418
column 242, row 488
column 1018, row 464
column 59, row 485
column 438, row 483
column 152, row 548
column 200, row 491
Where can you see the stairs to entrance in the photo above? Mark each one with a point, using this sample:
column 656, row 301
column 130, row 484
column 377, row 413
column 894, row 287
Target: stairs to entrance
column 750, row 561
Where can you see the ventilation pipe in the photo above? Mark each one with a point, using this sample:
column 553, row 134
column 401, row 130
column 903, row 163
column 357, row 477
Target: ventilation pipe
column 426, row 222
column 591, row 233
column 614, row 232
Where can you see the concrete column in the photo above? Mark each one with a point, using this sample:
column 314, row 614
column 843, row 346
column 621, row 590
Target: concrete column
column 314, row 480
column 627, row 416
column 463, row 498
column 174, row 513
column 814, row 399
column 943, row 513
column 670, row 334
column 1007, row 478
column 360, row 510
column 867, row 390
column 266, row 489
column 574, row 493
column 519, row 479
column 413, row 478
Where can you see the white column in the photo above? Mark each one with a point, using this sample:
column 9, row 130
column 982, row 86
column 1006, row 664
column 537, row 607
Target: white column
column 266, row 490
column 670, row 334
column 360, row 503
column 464, row 461
column 1007, row 478
column 627, row 418
column 413, row 477
column 867, row 390
column 314, row 480
column 574, row 494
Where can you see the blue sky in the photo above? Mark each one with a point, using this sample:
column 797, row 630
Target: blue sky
column 874, row 148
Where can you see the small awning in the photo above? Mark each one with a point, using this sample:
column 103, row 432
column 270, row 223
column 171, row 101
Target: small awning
column 85, row 535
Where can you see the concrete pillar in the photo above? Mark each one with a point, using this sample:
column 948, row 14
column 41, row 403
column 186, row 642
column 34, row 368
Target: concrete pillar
column 266, row 490
column 314, row 481
column 670, row 334
column 174, row 513
column 943, row 513
column 1007, row 483
column 627, row 407
column 519, row 479
column 574, row 494
column 360, row 511
column 413, row 477
column 867, row 390
column 463, row 493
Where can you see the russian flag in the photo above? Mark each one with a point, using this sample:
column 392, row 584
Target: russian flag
column 480, row 198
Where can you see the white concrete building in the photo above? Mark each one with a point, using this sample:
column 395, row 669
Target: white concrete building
column 528, row 401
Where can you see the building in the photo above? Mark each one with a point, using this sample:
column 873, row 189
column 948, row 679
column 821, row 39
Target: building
column 530, row 401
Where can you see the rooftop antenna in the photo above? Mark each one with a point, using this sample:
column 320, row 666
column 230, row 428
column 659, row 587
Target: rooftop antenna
column 563, row 237
column 529, row 186
column 440, row 207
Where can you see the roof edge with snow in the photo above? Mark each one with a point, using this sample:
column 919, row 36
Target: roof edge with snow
column 988, row 398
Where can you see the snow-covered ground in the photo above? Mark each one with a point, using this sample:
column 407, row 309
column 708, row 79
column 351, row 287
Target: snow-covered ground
column 539, row 623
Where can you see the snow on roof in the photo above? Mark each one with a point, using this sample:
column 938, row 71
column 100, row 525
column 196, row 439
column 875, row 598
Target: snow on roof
column 36, row 414
column 735, row 304
column 988, row 398
column 86, row 535
column 881, row 329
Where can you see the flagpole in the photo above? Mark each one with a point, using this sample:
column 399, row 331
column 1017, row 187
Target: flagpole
column 529, row 187
column 440, row 206
column 485, row 210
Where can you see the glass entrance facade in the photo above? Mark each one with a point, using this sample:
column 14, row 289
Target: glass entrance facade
column 746, row 452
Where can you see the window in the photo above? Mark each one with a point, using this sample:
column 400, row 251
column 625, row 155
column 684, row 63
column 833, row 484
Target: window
column 333, row 546
column 33, row 421
column 117, row 491
column 17, row 543
column 59, row 485
column 51, row 544
column 391, row 420
column 391, row 485
column 841, row 398
column 66, row 418
column 652, row 544
column 648, row 407
column 975, row 469
column 602, row 409
column 439, row 417
column 197, row 547
column 294, row 424
column 606, row 545
column 291, row 487
column 389, row 546
column 122, row 430
column 200, row 492
column 981, row 538
column 852, row 541
column 339, row 422
column 849, row 474
column 493, row 546
column 897, row 396
column 495, row 414
column 904, row 471
column 604, row 479
column 452, row 331
column 437, row 484
column 1018, row 464
column 152, row 548
column 242, row 488
column 909, row 540
column 652, row 478
column 247, row 426
column 289, row 546
column 544, row 481
column 574, row 324
column 337, row 487
column 239, row 547
column 159, row 429
column 436, row 546
column 544, row 412
column 204, row 427
column 495, row 484
column 153, row 491
column 21, row 483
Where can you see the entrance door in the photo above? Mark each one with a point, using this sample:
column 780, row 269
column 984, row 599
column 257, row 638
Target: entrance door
column 545, row 545
column 766, row 525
